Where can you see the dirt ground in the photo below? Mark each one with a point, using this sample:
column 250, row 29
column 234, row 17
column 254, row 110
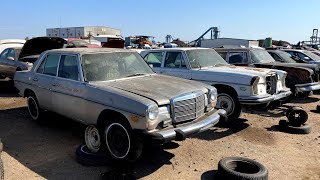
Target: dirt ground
column 47, row 151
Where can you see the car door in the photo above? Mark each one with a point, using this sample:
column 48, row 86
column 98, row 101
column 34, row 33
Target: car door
column 68, row 88
column 174, row 64
column 43, row 80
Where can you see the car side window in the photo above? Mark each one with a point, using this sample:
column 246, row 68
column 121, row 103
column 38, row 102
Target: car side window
column 51, row 66
column 237, row 57
column 68, row 67
column 174, row 60
column 223, row 55
column 154, row 58
column 11, row 53
column 290, row 52
column 302, row 56
column 276, row 57
column 4, row 54
column 41, row 67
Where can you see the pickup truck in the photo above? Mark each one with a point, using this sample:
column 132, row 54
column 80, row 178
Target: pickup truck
column 236, row 86
column 119, row 97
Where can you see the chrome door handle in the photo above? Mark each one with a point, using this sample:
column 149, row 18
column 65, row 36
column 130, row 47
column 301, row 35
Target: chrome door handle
column 35, row 79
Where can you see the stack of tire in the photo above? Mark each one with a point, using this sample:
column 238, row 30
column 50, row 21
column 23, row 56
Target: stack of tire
column 1, row 163
column 296, row 123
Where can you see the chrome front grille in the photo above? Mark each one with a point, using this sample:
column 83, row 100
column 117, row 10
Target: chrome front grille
column 188, row 107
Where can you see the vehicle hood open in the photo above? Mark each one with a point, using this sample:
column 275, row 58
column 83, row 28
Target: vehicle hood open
column 158, row 88
column 38, row 45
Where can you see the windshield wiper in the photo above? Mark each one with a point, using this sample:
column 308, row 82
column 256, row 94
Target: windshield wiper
column 137, row 74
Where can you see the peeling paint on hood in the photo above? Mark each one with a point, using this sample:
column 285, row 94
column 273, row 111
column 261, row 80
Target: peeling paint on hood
column 155, row 87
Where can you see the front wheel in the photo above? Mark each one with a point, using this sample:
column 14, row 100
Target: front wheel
column 230, row 103
column 34, row 109
column 122, row 144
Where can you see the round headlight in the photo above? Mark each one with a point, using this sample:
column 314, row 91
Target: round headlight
column 153, row 112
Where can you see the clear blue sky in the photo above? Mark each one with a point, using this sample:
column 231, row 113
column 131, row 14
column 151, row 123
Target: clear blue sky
column 291, row 20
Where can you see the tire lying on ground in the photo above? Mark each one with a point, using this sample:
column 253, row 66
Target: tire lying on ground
column 86, row 157
column 287, row 127
column 239, row 168
column 297, row 116
column 1, row 163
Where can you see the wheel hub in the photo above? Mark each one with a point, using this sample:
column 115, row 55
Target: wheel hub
column 92, row 138
column 225, row 102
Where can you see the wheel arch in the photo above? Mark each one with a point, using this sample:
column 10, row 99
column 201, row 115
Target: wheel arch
column 222, row 87
column 27, row 92
column 108, row 114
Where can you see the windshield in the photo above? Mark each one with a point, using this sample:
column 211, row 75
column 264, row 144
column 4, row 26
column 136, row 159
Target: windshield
column 286, row 57
column 261, row 56
column 200, row 58
column 111, row 66
column 312, row 56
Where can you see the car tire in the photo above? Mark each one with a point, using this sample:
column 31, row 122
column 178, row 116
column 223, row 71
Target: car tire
column 121, row 143
column 304, row 94
column 85, row 157
column 287, row 127
column 297, row 116
column 229, row 101
column 239, row 168
column 1, row 162
column 34, row 109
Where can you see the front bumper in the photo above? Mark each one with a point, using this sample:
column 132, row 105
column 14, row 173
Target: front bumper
column 252, row 100
column 180, row 132
column 307, row 87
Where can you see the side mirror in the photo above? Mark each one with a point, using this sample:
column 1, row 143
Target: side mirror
column 10, row 58
column 151, row 65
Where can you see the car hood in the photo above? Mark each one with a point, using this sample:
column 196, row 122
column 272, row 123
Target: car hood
column 230, row 74
column 282, row 66
column 303, row 65
column 158, row 88
column 38, row 45
column 236, row 70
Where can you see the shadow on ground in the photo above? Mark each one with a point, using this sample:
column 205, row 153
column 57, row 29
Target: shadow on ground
column 7, row 89
column 210, row 175
column 48, row 148
column 222, row 131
